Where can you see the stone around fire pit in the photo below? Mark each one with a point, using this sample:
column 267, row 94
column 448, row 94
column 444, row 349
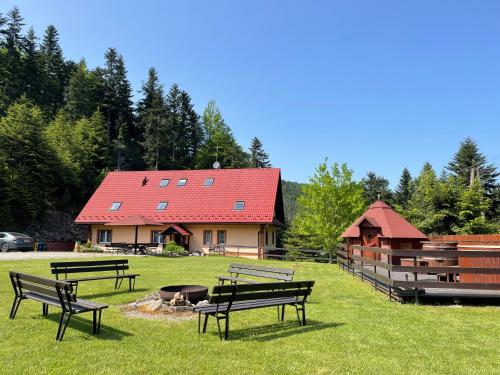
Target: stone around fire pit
column 154, row 306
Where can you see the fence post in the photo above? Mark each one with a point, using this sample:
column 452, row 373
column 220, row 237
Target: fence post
column 415, row 278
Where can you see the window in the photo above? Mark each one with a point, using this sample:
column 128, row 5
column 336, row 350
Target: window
column 161, row 206
column 273, row 237
column 207, row 237
column 115, row 206
column 164, row 182
column 221, row 237
column 208, row 182
column 267, row 237
column 182, row 182
column 156, row 237
column 239, row 205
column 105, row 236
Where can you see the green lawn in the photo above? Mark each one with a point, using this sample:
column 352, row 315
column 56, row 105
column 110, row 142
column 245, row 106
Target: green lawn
column 352, row 329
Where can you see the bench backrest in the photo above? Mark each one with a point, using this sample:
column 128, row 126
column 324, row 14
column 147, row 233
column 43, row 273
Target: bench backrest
column 117, row 265
column 52, row 289
column 223, row 294
column 284, row 274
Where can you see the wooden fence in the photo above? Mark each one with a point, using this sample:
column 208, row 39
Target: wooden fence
column 401, row 281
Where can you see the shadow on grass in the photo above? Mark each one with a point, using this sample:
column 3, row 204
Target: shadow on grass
column 82, row 294
column 277, row 330
column 84, row 324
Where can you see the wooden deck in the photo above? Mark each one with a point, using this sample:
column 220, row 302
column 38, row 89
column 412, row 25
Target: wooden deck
column 421, row 283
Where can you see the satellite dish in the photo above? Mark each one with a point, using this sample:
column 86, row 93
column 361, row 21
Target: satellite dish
column 216, row 165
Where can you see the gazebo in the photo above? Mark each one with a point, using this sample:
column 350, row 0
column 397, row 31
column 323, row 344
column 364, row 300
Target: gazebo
column 381, row 226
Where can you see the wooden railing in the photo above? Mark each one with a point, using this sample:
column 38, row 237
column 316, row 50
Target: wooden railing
column 395, row 278
column 287, row 254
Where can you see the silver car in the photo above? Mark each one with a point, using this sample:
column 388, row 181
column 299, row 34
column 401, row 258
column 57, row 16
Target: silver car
column 15, row 241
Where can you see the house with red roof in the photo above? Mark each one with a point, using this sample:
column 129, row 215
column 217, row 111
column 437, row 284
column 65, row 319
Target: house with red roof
column 234, row 209
column 381, row 226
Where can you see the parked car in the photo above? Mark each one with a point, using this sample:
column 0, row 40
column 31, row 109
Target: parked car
column 15, row 241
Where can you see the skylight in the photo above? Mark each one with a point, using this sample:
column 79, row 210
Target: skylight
column 239, row 205
column 164, row 182
column 208, row 182
column 182, row 182
column 161, row 206
column 115, row 206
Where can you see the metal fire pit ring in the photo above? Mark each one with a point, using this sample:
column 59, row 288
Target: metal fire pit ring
column 194, row 293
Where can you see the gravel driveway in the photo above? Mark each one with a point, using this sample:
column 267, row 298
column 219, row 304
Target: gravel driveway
column 19, row 255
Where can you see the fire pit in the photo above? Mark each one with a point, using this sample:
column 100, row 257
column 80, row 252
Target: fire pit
column 193, row 293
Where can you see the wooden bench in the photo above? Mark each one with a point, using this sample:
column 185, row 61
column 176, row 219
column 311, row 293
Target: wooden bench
column 55, row 293
column 262, row 272
column 238, row 297
column 118, row 266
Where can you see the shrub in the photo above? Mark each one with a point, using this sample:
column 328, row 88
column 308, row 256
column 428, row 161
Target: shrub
column 171, row 248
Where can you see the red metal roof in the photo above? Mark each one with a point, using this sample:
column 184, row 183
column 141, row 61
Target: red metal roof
column 390, row 222
column 179, row 230
column 192, row 203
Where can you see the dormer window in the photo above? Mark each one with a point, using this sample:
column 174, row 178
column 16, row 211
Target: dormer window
column 239, row 205
column 182, row 182
column 164, row 182
column 208, row 182
column 162, row 206
column 116, row 206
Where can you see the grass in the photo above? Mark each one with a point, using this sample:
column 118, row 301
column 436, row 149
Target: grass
column 352, row 329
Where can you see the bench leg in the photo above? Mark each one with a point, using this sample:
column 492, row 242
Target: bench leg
column 205, row 323
column 45, row 309
column 98, row 329
column 298, row 317
column 199, row 322
column 119, row 282
column 283, row 312
column 15, row 306
column 116, row 284
column 63, row 324
column 226, row 331
column 218, row 327
column 303, row 315
column 94, row 322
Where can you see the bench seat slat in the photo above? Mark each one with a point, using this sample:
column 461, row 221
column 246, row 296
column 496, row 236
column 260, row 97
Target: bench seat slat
column 241, row 279
column 90, row 278
column 285, row 271
column 247, row 305
column 58, row 271
column 265, row 274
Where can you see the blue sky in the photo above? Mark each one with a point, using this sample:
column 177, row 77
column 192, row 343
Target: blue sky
column 378, row 84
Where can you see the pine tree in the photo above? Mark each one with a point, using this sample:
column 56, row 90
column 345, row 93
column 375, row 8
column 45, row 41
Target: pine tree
column 471, row 206
column 431, row 207
column 31, row 166
column 151, row 118
column 59, row 135
column 13, row 41
column 403, row 192
column 54, row 77
column 469, row 159
column 117, row 109
column 91, row 152
column 376, row 188
column 81, row 93
column 191, row 133
column 31, row 67
column 258, row 157
column 6, row 220
column 219, row 143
